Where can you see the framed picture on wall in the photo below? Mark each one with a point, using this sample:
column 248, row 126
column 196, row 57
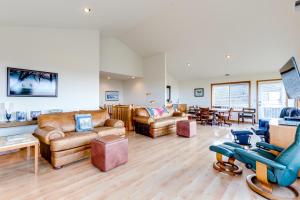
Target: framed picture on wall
column 111, row 95
column 31, row 83
column 199, row 92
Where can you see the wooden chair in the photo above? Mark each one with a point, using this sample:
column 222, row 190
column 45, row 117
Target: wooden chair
column 205, row 116
column 224, row 117
column 247, row 113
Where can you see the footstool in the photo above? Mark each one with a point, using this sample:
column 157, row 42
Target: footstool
column 109, row 152
column 186, row 128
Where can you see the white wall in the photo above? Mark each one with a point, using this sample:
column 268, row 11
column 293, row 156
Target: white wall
column 116, row 57
column 186, row 88
column 111, row 85
column 135, row 92
column 153, row 82
column 174, row 88
column 73, row 54
column 155, row 78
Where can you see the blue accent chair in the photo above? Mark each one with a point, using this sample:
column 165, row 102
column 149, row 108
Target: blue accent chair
column 242, row 137
column 227, row 149
column 282, row 169
column 263, row 130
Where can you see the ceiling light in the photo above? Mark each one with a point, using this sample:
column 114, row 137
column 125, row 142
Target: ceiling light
column 227, row 74
column 227, row 56
column 188, row 64
column 133, row 77
column 108, row 77
column 87, row 10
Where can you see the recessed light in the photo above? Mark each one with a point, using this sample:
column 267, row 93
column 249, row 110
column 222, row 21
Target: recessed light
column 87, row 10
column 108, row 77
column 133, row 77
column 188, row 64
column 227, row 56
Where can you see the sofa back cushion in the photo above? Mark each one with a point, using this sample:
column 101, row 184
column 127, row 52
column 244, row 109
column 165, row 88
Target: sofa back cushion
column 98, row 116
column 61, row 121
column 147, row 112
column 141, row 112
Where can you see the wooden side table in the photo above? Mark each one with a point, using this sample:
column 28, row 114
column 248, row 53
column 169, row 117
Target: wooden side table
column 16, row 142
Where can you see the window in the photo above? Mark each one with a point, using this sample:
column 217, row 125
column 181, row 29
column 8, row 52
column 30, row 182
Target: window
column 231, row 95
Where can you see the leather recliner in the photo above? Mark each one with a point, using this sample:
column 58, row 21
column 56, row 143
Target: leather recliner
column 61, row 145
column 156, row 126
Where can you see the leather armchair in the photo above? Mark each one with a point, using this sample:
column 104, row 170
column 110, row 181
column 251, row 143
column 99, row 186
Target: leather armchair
column 263, row 130
column 282, row 170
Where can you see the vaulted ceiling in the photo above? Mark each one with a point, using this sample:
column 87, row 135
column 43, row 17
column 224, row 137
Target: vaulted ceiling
column 259, row 35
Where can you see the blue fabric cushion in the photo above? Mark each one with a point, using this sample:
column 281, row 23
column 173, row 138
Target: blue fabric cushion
column 150, row 111
column 83, row 122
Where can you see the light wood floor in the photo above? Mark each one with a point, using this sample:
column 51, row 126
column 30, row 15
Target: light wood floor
column 168, row 167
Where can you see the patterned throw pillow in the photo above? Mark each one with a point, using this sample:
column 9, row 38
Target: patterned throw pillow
column 156, row 112
column 83, row 122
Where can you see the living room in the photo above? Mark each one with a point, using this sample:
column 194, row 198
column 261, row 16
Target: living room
column 149, row 99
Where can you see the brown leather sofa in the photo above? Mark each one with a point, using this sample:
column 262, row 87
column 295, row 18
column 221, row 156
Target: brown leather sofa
column 158, row 126
column 61, row 145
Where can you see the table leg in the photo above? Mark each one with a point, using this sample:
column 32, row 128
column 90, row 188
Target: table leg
column 28, row 153
column 36, row 158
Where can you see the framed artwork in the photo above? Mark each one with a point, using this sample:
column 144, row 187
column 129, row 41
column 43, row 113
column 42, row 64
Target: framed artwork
column 31, row 83
column 21, row 116
column 199, row 92
column 111, row 95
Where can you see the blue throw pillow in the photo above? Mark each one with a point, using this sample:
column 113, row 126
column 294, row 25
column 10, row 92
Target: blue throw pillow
column 83, row 122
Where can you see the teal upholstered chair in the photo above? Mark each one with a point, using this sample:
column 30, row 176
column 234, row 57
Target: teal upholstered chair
column 282, row 169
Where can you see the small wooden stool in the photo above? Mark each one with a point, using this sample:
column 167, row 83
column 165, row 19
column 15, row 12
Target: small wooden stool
column 109, row 152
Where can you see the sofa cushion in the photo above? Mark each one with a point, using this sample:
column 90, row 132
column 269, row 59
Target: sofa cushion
column 83, row 122
column 142, row 112
column 159, row 123
column 72, row 140
column 64, row 122
column 104, row 130
column 98, row 116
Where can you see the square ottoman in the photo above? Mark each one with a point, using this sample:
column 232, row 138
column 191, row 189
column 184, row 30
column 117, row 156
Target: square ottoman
column 109, row 152
column 186, row 128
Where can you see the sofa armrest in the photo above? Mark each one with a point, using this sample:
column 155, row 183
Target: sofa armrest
column 114, row 123
column 47, row 134
column 143, row 120
column 179, row 114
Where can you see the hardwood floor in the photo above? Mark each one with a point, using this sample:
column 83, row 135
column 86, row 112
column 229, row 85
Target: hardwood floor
column 168, row 167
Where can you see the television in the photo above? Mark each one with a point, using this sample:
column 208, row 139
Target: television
column 31, row 83
column 291, row 79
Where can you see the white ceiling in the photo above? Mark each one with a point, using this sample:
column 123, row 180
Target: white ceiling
column 110, row 16
column 260, row 35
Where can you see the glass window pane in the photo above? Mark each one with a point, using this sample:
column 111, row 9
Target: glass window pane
column 239, row 96
column 220, row 96
column 235, row 95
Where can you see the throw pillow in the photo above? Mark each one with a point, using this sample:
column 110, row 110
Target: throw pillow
column 83, row 122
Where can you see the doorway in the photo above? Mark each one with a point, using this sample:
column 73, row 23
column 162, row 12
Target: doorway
column 271, row 98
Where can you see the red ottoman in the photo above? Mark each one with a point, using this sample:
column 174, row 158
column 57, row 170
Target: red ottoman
column 186, row 128
column 109, row 152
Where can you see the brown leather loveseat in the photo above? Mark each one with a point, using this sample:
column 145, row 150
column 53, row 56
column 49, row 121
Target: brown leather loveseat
column 156, row 126
column 61, row 145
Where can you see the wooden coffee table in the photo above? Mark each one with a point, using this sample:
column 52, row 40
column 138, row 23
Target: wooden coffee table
column 16, row 142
